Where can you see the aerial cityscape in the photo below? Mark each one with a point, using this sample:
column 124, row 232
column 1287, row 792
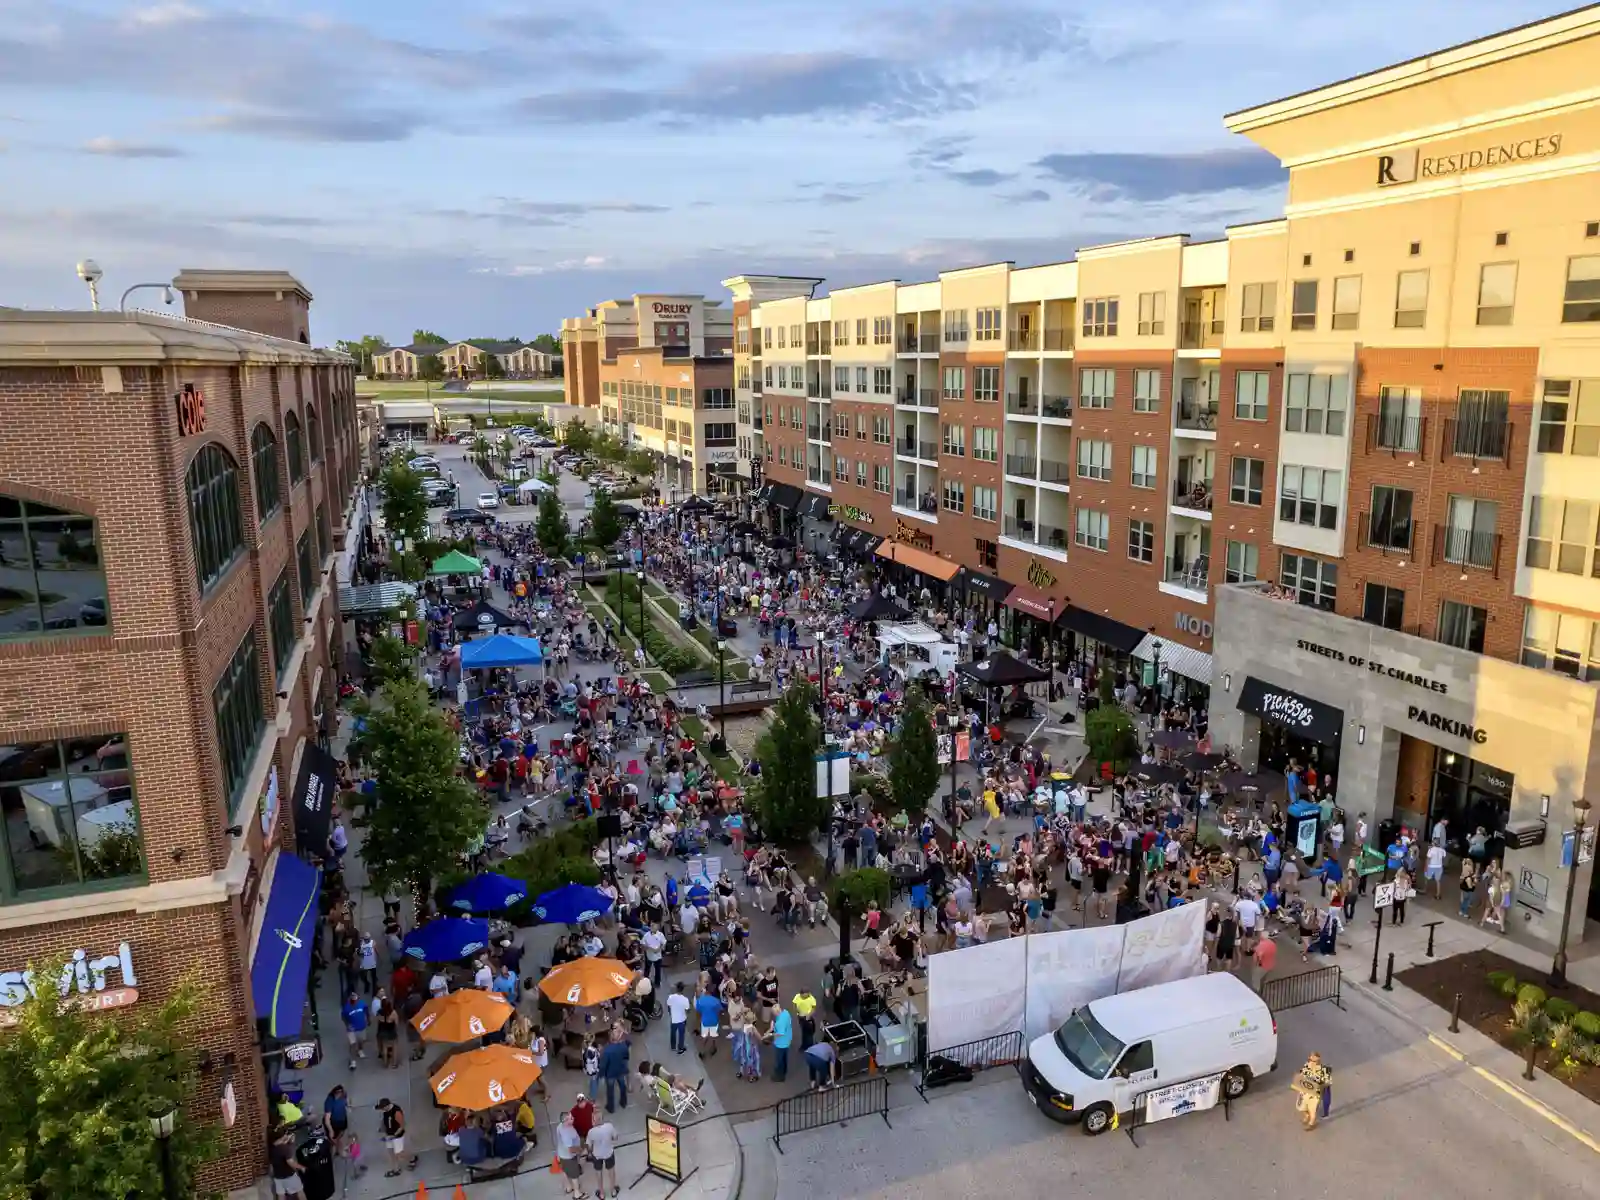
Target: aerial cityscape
column 1021, row 574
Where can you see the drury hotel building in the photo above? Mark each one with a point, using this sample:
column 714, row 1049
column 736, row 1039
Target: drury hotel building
column 1334, row 476
column 175, row 497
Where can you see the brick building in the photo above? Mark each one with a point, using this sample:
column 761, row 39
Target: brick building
column 174, row 495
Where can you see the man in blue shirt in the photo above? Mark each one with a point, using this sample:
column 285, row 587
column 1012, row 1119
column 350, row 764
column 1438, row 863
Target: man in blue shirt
column 782, row 1035
column 614, row 1070
column 709, row 1010
column 354, row 1015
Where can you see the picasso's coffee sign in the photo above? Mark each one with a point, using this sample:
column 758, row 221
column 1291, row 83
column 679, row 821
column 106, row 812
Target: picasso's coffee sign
column 1410, row 165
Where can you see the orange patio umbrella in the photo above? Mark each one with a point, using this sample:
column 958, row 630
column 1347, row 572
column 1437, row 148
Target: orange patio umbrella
column 461, row 1016
column 480, row 1079
column 587, row 981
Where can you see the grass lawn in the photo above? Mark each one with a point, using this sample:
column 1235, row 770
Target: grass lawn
column 725, row 765
column 734, row 666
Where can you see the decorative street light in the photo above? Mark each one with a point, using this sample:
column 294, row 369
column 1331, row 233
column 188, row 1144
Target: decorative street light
column 163, row 1121
column 955, row 724
column 1580, row 820
column 638, row 579
column 721, row 746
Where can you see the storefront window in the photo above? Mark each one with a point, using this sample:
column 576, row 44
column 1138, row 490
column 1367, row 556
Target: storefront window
column 1470, row 796
column 70, row 817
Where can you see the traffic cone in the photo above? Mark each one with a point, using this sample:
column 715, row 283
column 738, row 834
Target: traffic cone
column 422, row 1191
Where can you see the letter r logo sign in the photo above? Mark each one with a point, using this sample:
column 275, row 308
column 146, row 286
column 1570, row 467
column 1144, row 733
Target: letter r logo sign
column 1398, row 167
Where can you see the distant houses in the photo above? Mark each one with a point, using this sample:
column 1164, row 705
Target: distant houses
column 467, row 360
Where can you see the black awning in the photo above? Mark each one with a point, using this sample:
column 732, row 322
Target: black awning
column 986, row 586
column 765, row 494
column 483, row 615
column 1002, row 670
column 815, row 507
column 1102, row 629
column 876, row 607
column 313, row 799
column 784, row 495
column 869, row 542
column 1299, row 714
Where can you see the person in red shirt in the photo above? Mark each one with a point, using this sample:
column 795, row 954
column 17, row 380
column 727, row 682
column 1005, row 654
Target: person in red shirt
column 1262, row 959
column 583, row 1115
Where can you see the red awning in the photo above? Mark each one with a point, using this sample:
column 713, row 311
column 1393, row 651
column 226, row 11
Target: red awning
column 1034, row 602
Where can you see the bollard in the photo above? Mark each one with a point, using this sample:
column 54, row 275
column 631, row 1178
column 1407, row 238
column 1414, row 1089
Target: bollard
column 1455, row 1014
column 1388, row 974
column 1431, row 926
column 1533, row 1050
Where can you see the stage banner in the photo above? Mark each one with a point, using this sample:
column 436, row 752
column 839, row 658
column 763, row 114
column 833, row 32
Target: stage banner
column 1163, row 948
column 1068, row 969
column 975, row 993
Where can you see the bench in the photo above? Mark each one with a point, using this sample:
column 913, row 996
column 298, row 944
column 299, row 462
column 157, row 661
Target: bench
column 503, row 1168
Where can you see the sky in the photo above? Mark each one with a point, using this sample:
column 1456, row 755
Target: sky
column 484, row 169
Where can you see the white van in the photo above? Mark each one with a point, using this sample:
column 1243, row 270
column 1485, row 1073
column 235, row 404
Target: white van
column 1110, row 1051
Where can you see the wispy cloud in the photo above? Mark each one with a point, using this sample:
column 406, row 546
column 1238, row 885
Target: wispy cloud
column 108, row 147
column 1029, row 196
column 981, row 177
column 1161, row 176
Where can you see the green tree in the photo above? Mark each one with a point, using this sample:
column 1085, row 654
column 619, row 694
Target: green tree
column 421, row 336
column 642, row 462
column 551, row 526
column 914, row 755
column 605, row 523
column 578, row 437
column 391, row 659
column 80, row 1088
column 362, row 351
column 492, row 367
column 549, row 343
column 430, row 366
column 405, row 504
column 1107, row 687
column 786, row 796
column 506, row 447
column 1111, row 737
column 480, row 449
column 426, row 816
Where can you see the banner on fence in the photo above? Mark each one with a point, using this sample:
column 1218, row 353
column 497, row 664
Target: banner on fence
column 975, row 993
column 1180, row 1098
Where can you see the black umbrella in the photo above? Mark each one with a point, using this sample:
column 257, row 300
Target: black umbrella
column 1197, row 761
column 746, row 527
column 1250, row 785
column 1171, row 739
column 1158, row 773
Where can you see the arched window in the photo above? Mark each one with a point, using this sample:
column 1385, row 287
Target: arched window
column 264, row 466
column 314, row 433
column 51, row 577
column 214, row 520
column 297, row 449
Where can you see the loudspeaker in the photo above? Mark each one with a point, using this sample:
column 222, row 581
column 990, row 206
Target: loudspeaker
column 609, row 825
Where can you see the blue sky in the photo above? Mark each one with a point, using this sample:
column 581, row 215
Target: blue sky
column 484, row 169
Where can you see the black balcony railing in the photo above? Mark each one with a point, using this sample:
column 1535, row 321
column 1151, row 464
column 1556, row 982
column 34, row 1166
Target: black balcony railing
column 1051, row 471
column 1197, row 416
column 1053, row 536
column 1396, row 433
column 1467, row 548
column 1385, row 534
column 908, row 343
column 1022, row 404
column 1194, row 494
column 928, row 397
column 1023, row 339
column 1477, row 439
column 1194, row 573
column 1024, row 466
column 814, row 432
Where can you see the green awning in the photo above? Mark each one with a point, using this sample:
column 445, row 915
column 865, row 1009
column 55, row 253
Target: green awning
column 456, row 563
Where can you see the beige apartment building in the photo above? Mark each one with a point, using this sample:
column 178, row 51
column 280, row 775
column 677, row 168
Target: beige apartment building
column 467, row 360
column 1331, row 476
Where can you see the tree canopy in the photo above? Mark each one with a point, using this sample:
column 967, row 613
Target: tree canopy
column 605, row 523
column 578, row 437
column 405, row 504
column 363, row 350
column 430, row 366
column 551, row 526
column 786, row 795
column 914, row 755
column 428, row 335
column 547, row 342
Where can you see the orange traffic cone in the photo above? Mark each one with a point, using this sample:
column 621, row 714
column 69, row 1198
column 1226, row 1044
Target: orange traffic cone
column 461, row 1193
column 422, row 1191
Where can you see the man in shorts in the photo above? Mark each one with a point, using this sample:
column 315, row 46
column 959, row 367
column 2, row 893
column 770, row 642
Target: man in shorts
column 393, row 1124
column 286, row 1167
column 602, row 1143
column 569, row 1156
column 709, row 1009
column 1434, row 869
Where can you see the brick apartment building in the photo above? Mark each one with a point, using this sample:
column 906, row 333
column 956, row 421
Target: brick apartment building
column 174, row 495
column 1383, row 405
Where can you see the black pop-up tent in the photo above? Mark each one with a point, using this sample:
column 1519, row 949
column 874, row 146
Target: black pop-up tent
column 876, row 607
column 1003, row 670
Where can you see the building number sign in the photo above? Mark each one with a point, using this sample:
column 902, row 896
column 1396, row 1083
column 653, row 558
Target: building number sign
column 191, row 411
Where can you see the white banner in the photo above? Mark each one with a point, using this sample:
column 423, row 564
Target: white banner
column 976, row 993
column 1067, row 970
column 1180, row 1098
column 1163, row 948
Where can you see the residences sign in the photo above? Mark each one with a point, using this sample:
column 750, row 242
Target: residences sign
column 1411, row 164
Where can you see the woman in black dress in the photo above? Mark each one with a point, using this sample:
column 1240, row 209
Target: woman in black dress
column 1227, row 935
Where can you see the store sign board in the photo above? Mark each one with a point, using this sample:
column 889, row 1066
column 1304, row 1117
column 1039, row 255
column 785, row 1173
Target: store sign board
column 84, row 981
column 1411, row 164
column 191, row 404
column 1040, row 576
column 850, row 512
column 1193, row 625
column 1426, row 682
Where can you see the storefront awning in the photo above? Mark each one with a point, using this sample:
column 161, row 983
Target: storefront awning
column 280, row 972
column 1299, row 714
column 983, row 585
column 813, row 506
column 313, row 798
column 1176, row 657
column 374, row 599
column 1033, row 602
column 859, row 540
column 1102, row 628
column 784, row 495
column 928, row 564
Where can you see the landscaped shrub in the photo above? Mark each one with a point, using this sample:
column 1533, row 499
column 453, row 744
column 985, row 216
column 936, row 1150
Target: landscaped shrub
column 1532, row 994
column 1498, row 981
column 1588, row 1024
column 1560, row 1011
column 858, row 889
column 1509, row 986
column 1528, row 1022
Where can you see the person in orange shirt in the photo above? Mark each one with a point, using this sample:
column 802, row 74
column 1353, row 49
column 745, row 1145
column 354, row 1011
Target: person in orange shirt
column 1262, row 959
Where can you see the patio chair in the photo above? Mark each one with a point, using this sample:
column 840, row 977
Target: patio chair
column 673, row 1103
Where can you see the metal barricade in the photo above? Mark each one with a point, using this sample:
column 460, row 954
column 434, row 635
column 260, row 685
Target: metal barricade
column 830, row 1106
column 1308, row 987
column 1000, row 1050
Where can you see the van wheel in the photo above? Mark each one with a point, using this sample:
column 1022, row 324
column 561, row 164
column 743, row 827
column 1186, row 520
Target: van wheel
column 1097, row 1120
column 1236, row 1083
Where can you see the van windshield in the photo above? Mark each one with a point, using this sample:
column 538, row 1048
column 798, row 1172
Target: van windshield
column 1087, row 1045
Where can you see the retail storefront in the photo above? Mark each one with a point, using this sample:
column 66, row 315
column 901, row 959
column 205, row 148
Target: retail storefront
column 780, row 501
column 1512, row 747
column 912, row 569
column 1032, row 618
column 814, row 523
column 1090, row 637
column 1180, row 673
column 984, row 592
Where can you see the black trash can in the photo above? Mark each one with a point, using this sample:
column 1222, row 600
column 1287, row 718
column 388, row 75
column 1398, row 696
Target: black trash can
column 316, row 1156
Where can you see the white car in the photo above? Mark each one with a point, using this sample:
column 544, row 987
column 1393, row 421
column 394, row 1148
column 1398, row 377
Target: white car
column 488, row 500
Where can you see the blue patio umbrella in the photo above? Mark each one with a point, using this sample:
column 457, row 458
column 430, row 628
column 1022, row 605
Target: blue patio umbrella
column 446, row 939
column 486, row 893
column 572, row 904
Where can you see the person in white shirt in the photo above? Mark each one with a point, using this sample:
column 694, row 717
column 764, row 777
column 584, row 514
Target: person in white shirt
column 483, row 978
column 438, row 985
column 592, row 945
column 1434, row 868
column 654, row 942
column 689, row 918
column 1248, row 911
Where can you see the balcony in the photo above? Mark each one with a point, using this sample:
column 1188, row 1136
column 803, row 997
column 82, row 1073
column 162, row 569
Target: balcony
column 1022, row 404
column 1053, row 536
column 1200, row 335
column 1477, row 439
column 927, row 503
column 1470, row 548
column 1197, row 417
column 825, row 344
column 820, row 389
column 1058, row 339
column 1019, row 528
column 813, row 431
column 1191, row 575
column 1023, row 339
column 907, row 343
column 928, row 343
column 912, row 448
column 1024, row 466
column 1194, row 496
column 1384, row 533
column 1051, row 471
column 1396, row 433
column 1057, row 407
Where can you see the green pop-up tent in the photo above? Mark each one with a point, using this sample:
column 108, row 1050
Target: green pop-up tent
column 456, row 563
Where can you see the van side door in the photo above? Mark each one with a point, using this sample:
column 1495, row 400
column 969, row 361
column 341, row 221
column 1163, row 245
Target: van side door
column 1135, row 1072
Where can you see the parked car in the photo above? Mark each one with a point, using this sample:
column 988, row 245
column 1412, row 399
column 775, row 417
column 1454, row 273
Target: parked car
column 488, row 500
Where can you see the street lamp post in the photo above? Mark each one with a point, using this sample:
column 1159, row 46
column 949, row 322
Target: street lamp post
column 622, row 619
column 162, row 1123
column 955, row 724
column 1580, row 820
column 722, row 698
column 638, row 578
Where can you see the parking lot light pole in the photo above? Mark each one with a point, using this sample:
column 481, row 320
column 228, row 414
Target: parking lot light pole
column 722, row 698
column 638, row 578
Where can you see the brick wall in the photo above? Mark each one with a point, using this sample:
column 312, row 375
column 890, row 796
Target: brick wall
column 957, row 533
column 282, row 315
column 1240, row 438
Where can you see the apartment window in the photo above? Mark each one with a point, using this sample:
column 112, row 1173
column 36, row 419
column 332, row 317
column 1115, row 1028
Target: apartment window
column 880, row 478
column 1100, row 317
column 1399, row 418
column 215, row 524
column 1347, row 302
column 861, row 380
column 766, row 375
column 1497, row 293
column 716, row 397
column 882, row 381
column 744, row 376
column 766, row 338
column 1303, row 306
column 841, row 380
column 882, row 330
column 1568, row 426
column 841, row 425
column 1143, row 474
column 1562, row 642
column 1152, row 314
column 1250, row 391
column 237, row 708
column 841, row 333
column 53, row 581
column 1091, row 529
column 1482, row 428
column 1390, row 527
column 783, row 376
column 783, row 337
column 1559, row 534
column 721, row 433
column 987, row 325
column 985, row 502
column 955, row 495
column 783, row 456
column 1258, row 305
column 1469, row 533
column 1313, row 582
column 955, row 383
column 1247, row 478
column 1581, row 301
column 988, row 552
column 280, row 623
column 985, row 443
column 1411, row 300
column 955, row 325
column 796, row 335
column 861, row 427
column 1096, row 386
column 880, row 431
column 1463, row 625
column 1244, row 561
column 841, row 470
column 1310, row 496
column 1315, row 404
column 1142, row 539
column 1384, row 605
column 1094, row 459
column 986, row 383
column 954, row 439
column 1147, row 388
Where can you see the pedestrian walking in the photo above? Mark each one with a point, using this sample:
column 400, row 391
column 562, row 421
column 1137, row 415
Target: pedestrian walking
column 1402, row 893
column 569, row 1152
column 602, row 1144
column 354, row 1016
column 1313, row 1088
column 614, row 1071
column 678, row 1014
column 392, row 1123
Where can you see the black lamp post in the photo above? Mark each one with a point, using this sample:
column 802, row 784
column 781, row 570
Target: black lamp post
column 1580, row 821
column 162, row 1123
column 722, row 698
column 638, row 578
column 955, row 724
column 621, row 597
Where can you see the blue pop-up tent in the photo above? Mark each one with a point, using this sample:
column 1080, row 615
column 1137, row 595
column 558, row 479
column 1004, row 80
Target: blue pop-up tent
column 501, row 650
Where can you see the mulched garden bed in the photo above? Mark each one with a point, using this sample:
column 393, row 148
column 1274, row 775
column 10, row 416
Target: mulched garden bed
column 1488, row 1010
